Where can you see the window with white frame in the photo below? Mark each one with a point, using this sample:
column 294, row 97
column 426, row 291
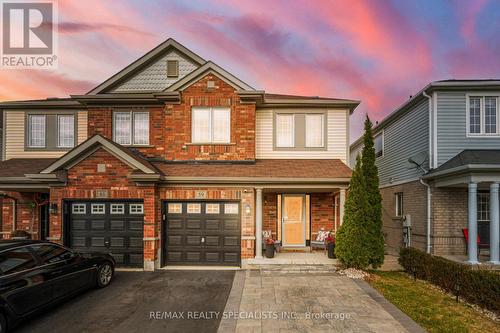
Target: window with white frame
column 136, row 209
column 131, row 128
column 98, row 208
column 231, row 208
column 399, row 204
column 66, row 131
column 285, row 130
column 36, row 131
column 379, row 145
column 483, row 206
column 483, row 115
column 212, row 208
column 211, row 125
column 315, row 130
column 194, row 208
column 117, row 209
column 78, row 208
column 174, row 208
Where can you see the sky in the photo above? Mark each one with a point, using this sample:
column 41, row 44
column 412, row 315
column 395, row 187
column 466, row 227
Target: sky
column 379, row 52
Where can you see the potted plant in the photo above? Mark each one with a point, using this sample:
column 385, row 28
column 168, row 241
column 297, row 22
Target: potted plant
column 270, row 248
column 330, row 244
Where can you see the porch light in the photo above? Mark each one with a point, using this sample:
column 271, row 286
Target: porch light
column 248, row 209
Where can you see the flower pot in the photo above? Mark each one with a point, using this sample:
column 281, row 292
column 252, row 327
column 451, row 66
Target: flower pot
column 269, row 250
column 331, row 250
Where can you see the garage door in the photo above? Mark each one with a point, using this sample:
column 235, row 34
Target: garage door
column 202, row 233
column 114, row 227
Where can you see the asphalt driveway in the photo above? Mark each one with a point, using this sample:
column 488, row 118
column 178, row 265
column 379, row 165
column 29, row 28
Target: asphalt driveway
column 160, row 301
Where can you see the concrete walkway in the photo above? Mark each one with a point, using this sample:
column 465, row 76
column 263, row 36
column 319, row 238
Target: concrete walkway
column 305, row 302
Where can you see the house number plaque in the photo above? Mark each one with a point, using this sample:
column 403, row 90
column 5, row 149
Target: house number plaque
column 201, row 194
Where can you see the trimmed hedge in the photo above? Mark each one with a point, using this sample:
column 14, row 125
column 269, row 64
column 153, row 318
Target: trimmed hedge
column 477, row 286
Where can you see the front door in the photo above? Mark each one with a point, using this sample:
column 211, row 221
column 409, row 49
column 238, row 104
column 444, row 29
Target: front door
column 293, row 220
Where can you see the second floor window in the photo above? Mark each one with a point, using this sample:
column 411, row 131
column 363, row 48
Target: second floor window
column 36, row 131
column 131, row 128
column 379, row 145
column 211, row 125
column 483, row 115
column 300, row 131
column 66, row 131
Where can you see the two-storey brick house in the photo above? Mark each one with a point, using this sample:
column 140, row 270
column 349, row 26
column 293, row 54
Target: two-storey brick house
column 174, row 160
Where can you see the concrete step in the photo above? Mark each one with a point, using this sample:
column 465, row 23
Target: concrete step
column 297, row 269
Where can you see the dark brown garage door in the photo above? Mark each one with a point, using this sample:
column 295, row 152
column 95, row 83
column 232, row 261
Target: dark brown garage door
column 114, row 227
column 202, row 233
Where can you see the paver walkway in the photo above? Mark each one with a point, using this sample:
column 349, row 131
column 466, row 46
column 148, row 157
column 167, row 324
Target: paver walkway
column 304, row 302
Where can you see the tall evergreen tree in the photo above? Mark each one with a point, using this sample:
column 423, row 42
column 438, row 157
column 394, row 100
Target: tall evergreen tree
column 374, row 199
column 352, row 239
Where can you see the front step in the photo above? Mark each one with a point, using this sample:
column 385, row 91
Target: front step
column 297, row 269
column 305, row 249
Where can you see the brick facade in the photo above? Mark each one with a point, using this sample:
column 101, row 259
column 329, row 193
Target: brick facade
column 178, row 124
column 27, row 208
column 170, row 126
column 448, row 218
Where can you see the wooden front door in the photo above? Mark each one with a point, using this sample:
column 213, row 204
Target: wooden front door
column 293, row 219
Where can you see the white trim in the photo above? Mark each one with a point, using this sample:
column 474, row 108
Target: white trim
column 59, row 132
column 122, row 210
column 482, row 96
column 131, row 136
column 210, row 124
column 279, row 114
column 136, row 210
column 78, row 205
column 98, row 210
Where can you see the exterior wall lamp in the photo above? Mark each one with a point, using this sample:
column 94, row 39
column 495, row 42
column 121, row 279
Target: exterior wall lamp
column 248, row 209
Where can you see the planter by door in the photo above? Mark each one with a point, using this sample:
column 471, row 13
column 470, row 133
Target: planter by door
column 331, row 250
column 269, row 250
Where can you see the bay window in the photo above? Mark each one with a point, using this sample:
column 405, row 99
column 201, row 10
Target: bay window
column 211, row 125
column 131, row 128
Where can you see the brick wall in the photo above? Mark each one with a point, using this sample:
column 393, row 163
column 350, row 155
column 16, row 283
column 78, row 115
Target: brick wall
column 84, row 181
column 170, row 126
column 415, row 204
column 270, row 213
column 27, row 213
column 449, row 210
column 100, row 121
column 178, row 124
column 322, row 212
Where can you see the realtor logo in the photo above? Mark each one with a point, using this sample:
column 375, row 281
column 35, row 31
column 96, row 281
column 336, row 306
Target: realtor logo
column 29, row 34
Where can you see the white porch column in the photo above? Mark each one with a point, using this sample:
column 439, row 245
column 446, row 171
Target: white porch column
column 342, row 203
column 258, row 222
column 494, row 224
column 472, row 225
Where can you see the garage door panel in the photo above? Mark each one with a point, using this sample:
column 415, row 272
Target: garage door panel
column 116, row 231
column 194, row 222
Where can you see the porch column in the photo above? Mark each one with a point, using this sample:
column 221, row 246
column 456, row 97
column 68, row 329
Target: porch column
column 494, row 224
column 472, row 246
column 258, row 222
column 342, row 203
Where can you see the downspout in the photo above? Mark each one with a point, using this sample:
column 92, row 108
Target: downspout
column 426, row 184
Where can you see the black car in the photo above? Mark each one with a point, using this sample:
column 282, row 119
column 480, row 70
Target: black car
column 37, row 274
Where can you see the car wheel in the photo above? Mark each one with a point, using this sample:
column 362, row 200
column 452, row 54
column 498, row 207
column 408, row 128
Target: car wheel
column 104, row 275
column 3, row 323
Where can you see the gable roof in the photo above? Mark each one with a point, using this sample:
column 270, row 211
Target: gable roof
column 87, row 147
column 209, row 68
column 144, row 61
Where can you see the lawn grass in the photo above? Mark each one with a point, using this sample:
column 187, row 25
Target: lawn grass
column 432, row 309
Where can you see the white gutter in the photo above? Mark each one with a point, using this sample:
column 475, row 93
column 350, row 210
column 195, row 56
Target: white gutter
column 431, row 163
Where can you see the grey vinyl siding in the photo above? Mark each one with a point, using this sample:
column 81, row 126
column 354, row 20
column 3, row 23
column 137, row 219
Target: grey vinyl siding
column 451, row 127
column 406, row 137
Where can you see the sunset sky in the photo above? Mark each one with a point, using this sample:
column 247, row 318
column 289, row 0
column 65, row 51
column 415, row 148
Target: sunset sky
column 379, row 52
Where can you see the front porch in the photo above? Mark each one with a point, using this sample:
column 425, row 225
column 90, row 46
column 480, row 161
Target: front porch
column 293, row 218
column 291, row 258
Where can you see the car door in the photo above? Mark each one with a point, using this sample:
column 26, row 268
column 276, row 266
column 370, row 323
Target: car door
column 24, row 284
column 68, row 270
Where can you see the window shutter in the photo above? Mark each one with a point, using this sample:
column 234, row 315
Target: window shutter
column 172, row 68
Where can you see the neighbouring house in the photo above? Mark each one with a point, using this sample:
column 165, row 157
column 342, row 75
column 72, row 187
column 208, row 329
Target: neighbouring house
column 175, row 161
column 438, row 157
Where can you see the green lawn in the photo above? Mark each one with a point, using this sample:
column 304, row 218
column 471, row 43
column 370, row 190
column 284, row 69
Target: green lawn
column 431, row 308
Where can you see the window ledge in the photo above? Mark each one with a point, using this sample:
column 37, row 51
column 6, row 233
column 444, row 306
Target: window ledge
column 210, row 144
column 138, row 146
